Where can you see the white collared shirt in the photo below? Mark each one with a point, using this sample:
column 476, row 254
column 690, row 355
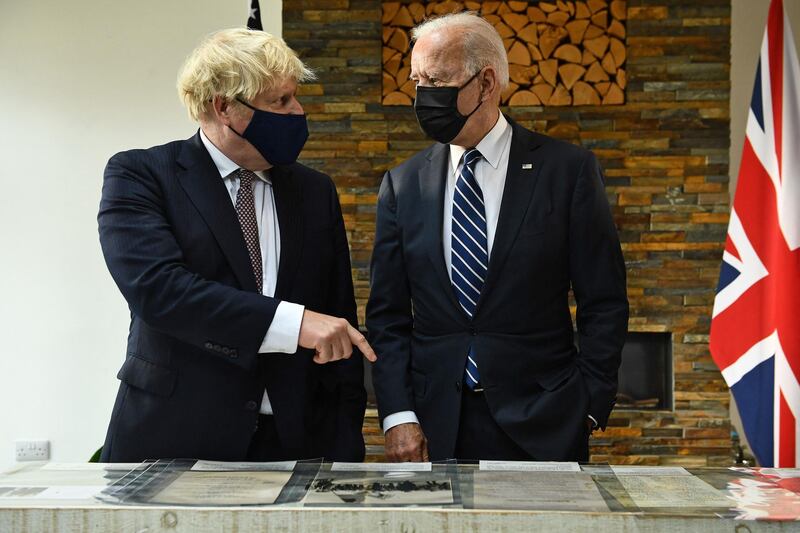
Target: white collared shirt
column 490, row 173
column 284, row 331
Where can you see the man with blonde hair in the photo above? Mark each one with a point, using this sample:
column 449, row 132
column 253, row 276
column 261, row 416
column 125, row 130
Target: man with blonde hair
column 234, row 261
column 478, row 241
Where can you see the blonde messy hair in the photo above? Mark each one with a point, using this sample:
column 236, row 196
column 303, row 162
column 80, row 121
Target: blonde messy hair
column 236, row 63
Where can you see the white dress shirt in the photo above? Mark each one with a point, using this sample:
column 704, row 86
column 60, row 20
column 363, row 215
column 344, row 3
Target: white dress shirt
column 284, row 331
column 490, row 173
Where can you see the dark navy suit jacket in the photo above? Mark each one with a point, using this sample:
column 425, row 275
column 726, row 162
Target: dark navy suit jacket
column 555, row 233
column 192, row 380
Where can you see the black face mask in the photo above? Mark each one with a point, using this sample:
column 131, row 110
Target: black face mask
column 278, row 137
column 437, row 111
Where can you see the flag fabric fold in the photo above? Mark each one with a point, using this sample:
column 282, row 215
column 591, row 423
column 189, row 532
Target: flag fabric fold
column 755, row 325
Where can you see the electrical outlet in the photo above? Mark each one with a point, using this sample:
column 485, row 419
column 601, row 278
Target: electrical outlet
column 32, row 450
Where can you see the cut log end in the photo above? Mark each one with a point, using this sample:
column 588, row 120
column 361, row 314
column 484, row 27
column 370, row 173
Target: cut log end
column 524, row 98
column 396, row 98
column 560, row 52
column 584, row 94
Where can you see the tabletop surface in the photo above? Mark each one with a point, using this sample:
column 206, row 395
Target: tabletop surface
column 726, row 493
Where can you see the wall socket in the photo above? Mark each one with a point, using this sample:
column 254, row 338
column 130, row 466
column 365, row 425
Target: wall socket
column 32, row 450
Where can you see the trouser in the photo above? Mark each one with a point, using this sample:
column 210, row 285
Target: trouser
column 479, row 436
column 265, row 444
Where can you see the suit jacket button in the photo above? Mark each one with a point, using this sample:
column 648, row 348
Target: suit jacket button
column 472, row 331
column 209, row 346
column 458, row 386
column 251, row 405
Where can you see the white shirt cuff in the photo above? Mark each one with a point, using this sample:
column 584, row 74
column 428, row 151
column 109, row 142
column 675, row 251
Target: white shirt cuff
column 284, row 332
column 594, row 421
column 395, row 419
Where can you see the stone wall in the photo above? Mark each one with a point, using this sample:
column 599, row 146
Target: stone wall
column 665, row 153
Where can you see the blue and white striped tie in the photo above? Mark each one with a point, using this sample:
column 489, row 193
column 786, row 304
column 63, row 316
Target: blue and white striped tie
column 469, row 248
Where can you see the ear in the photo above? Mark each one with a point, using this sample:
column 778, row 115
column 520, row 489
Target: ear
column 489, row 82
column 221, row 109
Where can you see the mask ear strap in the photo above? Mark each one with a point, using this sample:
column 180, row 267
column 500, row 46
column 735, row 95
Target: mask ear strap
column 476, row 108
column 470, row 80
column 236, row 132
column 481, row 96
column 245, row 104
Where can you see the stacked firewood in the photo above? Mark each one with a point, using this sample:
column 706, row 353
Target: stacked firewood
column 560, row 53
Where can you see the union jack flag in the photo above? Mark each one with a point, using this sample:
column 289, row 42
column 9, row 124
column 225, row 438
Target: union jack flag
column 254, row 16
column 755, row 328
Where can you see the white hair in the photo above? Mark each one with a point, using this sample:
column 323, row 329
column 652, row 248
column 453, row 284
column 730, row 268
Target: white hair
column 482, row 44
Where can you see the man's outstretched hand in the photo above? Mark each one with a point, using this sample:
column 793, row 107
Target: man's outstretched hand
column 332, row 338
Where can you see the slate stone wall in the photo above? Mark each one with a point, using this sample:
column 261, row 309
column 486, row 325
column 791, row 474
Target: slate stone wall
column 665, row 154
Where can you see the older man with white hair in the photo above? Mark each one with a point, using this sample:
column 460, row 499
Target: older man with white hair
column 479, row 240
column 234, row 261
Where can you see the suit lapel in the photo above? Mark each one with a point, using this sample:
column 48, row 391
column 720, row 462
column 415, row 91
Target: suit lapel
column 432, row 179
column 288, row 200
column 204, row 186
column 521, row 178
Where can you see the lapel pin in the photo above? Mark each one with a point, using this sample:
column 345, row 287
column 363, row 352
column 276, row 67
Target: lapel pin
column 527, row 166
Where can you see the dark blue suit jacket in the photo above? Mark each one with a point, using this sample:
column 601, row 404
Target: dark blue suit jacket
column 554, row 234
column 192, row 380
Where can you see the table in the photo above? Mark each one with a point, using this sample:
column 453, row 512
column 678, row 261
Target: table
column 60, row 497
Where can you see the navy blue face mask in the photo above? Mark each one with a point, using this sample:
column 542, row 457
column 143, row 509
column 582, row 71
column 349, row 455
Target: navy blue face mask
column 278, row 137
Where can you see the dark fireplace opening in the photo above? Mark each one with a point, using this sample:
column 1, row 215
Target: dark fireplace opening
column 645, row 376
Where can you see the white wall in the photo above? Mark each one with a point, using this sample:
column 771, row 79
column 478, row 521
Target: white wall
column 79, row 81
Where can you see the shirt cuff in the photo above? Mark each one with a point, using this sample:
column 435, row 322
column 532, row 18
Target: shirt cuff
column 284, row 331
column 594, row 421
column 395, row 419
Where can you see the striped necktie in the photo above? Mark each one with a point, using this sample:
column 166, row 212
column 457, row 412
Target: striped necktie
column 469, row 248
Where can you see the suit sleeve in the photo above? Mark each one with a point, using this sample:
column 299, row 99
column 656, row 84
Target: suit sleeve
column 389, row 318
column 597, row 271
column 351, row 395
column 146, row 263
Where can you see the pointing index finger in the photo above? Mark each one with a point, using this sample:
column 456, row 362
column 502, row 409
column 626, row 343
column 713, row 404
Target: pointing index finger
column 359, row 340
